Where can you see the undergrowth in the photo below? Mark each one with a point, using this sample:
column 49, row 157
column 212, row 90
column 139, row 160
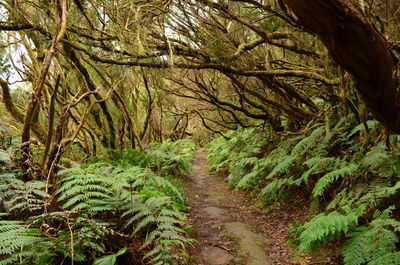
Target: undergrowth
column 347, row 171
column 97, row 209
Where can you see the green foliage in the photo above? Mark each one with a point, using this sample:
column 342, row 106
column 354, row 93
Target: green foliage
column 162, row 223
column 332, row 176
column 373, row 242
column 5, row 66
column 243, row 143
column 273, row 189
column 109, row 259
column 380, row 162
column 22, row 198
column 361, row 127
column 4, row 159
column 305, row 145
column 128, row 157
column 100, row 199
column 324, row 228
column 283, row 167
column 58, row 234
column 171, row 158
column 73, row 235
column 149, row 202
column 165, row 186
column 16, row 236
column 82, row 188
column 341, row 171
column 387, row 259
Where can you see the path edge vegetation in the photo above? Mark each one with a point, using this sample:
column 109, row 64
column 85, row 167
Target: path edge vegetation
column 349, row 180
column 129, row 203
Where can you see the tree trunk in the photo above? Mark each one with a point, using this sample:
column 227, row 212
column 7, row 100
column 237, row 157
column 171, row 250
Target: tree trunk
column 360, row 49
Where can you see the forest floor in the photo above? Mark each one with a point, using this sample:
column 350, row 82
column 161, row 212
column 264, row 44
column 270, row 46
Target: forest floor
column 231, row 232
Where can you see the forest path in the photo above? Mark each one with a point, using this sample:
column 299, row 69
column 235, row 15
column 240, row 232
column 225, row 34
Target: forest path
column 227, row 230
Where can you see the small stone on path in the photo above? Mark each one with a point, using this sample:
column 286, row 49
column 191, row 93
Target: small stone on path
column 217, row 256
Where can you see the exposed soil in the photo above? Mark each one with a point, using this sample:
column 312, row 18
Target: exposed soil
column 229, row 231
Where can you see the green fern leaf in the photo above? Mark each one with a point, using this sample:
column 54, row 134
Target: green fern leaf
column 331, row 177
column 323, row 228
column 388, row 259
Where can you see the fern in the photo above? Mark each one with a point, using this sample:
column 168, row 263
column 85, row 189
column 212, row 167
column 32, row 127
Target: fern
column 371, row 243
column 387, row 259
column 379, row 161
column 16, row 240
column 82, row 191
column 323, row 228
column 361, row 127
column 276, row 162
column 367, row 195
column 5, row 160
column 377, row 192
column 130, row 178
column 128, row 158
column 239, row 166
column 331, row 177
column 158, row 212
column 283, row 167
column 150, row 204
column 172, row 158
column 167, row 188
column 368, row 244
column 243, row 143
column 272, row 190
column 120, row 189
column 317, row 165
column 73, row 235
column 19, row 197
column 322, row 149
column 309, row 142
column 325, row 156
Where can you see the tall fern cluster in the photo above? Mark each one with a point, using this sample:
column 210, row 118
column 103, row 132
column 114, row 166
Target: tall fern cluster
column 349, row 176
column 99, row 208
column 171, row 158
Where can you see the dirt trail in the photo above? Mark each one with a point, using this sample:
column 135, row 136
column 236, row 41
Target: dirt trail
column 228, row 232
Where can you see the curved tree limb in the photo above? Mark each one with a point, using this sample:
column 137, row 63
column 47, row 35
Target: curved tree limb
column 360, row 49
column 39, row 131
column 61, row 24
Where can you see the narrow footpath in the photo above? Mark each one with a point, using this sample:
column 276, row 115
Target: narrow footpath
column 229, row 232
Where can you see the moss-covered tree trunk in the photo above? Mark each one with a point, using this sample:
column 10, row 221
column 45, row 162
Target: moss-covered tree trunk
column 360, row 49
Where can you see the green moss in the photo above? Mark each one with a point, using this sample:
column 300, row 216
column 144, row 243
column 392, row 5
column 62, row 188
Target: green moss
column 298, row 259
column 250, row 245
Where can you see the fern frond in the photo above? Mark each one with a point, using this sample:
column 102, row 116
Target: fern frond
column 371, row 243
column 167, row 188
column 309, row 142
column 375, row 157
column 388, row 259
column 15, row 236
column 18, row 196
column 376, row 192
column 283, row 167
column 331, row 177
column 323, row 228
column 370, row 123
column 272, row 190
column 5, row 159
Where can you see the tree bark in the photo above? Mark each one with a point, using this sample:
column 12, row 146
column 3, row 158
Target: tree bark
column 357, row 46
column 38, row 130
column 61, row 25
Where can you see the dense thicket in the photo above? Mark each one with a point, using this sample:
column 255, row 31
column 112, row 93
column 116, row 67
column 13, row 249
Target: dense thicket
column 350, row 181
column 127, row 199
